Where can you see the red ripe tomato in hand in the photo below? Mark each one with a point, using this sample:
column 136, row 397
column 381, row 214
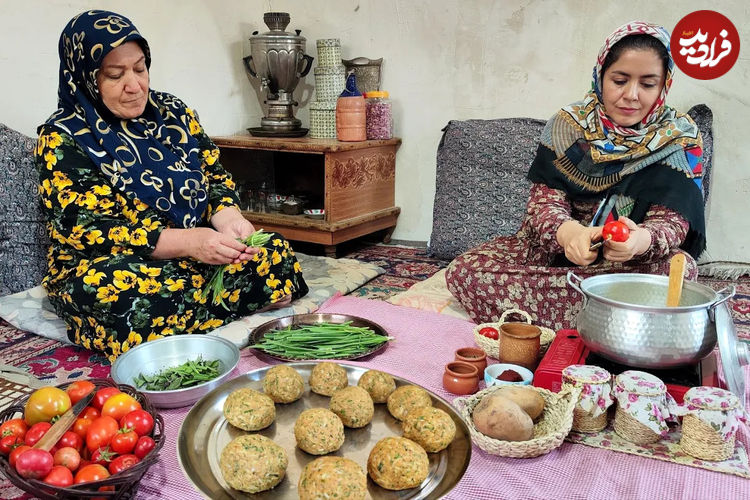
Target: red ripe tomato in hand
column 68, row 457
column 124, row 441
column 36, row 432
column 102, row 395
column 90, row 473
column 144, row 446
column 44, row 404
column 616, row 231
column 123, row 462
column 120, row 405
column 79, row 389
column 14, row 427
column 34, row 463
column 100, row 432
column 59, row 476
column 140, row 421
column 489, row 332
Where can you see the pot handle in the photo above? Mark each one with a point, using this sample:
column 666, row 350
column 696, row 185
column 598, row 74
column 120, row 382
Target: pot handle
column 728, row 290
column 250, row 69
column 575, row 282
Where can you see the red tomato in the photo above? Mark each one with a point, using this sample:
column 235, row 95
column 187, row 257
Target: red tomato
column 103, row 456
column 81, row 426
column 123, row 462
column 91, row 473
column 68, row 457
column 14, row 427
column 124, row 441
column 70, row 439
column 90, row 413
column 100, row 432
column 36, row 432
column 79, row 389
column 144, row 446
column 120, row 405
column 102, row 395
column 7, row 443
column 14, row 454
column 140, row 421
column 59, row 476
column 489, row 332
column 34, row 463
column 44, row 404
column 616, row 231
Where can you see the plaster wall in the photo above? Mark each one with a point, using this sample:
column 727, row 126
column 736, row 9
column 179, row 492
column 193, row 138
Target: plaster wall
column 443, row 60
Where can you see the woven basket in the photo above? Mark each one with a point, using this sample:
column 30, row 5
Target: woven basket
column 492, row 347
column 702, row 441
column 125, row 484
column 549, row 431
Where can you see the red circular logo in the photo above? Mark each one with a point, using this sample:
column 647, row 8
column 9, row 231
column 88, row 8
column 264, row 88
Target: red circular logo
column 705, row 44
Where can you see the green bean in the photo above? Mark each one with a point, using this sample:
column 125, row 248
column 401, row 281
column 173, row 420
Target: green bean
column 320, row 341
column 215, row 285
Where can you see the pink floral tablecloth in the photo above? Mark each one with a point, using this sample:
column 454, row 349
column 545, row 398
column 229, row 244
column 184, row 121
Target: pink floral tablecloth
column 424, row 342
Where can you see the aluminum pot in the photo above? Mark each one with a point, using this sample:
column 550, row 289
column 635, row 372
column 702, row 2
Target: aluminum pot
column 625, row 319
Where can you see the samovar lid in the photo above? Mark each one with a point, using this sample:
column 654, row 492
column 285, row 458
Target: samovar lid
column 277, row 23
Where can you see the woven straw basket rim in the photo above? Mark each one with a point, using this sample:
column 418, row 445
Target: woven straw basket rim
column 549, row 431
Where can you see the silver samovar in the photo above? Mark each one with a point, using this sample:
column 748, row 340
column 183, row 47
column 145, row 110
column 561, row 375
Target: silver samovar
column 278, row 59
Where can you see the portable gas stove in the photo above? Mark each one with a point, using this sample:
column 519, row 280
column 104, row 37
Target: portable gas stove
column 568, row 349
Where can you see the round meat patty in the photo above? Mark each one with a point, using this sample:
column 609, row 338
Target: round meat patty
column 249, row 409
column 407, row 398
column 332, row 477
column 327, row 378
column 379, row 384
column 353, row 405
column 253, row 463
column 397, row 463
column 283, row 384
column 318, row 431
column 431, row 428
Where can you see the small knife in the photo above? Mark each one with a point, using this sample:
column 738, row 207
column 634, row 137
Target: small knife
column 53, row 435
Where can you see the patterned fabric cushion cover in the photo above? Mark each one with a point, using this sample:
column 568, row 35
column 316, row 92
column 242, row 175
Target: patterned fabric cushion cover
column 23, row 235
column 30, row 310
column 482, row 190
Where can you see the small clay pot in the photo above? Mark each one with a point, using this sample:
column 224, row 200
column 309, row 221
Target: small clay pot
column 474, row 356
column 519, row 344
column 461, row 378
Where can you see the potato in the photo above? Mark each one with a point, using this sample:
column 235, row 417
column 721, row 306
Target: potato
column 527, row 398
column 501, row 418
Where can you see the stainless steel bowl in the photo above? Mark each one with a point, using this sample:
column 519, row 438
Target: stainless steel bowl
column 625, row 318
column 156, row 355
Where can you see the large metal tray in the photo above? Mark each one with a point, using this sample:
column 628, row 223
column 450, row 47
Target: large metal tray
column 312, row 319
column 205, row 432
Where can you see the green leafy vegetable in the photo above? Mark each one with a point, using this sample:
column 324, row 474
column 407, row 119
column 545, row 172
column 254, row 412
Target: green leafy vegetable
column 215, row 285
column 188, row 374
column 320, row 341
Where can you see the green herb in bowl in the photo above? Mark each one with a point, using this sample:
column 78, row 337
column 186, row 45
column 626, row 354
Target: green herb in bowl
column 188, row 374
column 320, row 341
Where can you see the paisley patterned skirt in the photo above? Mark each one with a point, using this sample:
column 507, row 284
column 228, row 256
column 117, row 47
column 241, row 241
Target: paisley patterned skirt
column 118, row 301
column 509, row 272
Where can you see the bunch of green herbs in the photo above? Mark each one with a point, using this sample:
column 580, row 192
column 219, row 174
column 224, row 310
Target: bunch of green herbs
column 188, row 374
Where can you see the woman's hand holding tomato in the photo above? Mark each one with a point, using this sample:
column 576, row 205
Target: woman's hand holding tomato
column 576, row 239
column 637, row 240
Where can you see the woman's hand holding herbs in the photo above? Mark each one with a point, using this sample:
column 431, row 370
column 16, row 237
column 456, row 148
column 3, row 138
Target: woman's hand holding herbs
column 231, row 222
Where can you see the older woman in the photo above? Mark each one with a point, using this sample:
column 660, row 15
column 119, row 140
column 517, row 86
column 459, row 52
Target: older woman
column 620, row 152
column 140, row 210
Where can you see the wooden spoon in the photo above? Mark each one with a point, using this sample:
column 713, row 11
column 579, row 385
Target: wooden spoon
column 676, row 273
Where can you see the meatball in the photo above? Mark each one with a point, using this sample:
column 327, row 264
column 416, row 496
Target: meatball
column 380, row 385
column 318, row 431
column 327, row 378
column 253, row 463
column 431, row 428
column 353, row 405
column 283, row 384
column 407, row 398
column 332, row 477
column 397, row 463
column 249, row 409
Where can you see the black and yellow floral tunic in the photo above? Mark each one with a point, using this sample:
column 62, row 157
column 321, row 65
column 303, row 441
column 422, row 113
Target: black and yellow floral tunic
column 103, row 283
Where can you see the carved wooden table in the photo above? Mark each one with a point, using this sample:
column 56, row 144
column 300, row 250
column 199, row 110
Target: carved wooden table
column 354, row 182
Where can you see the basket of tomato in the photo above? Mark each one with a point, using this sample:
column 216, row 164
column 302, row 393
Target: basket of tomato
column 103, row 454
column 487, row 335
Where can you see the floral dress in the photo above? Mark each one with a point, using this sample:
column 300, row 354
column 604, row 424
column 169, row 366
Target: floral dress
column 101, row 279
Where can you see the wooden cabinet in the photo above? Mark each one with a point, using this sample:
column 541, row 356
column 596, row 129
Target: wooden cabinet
column 354, row 182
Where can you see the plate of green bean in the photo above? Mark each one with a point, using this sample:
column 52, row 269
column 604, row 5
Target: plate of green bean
column 319, row 336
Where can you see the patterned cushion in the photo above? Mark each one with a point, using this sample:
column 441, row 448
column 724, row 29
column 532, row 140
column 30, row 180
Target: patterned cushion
column 482, row 188
column 23, row 236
